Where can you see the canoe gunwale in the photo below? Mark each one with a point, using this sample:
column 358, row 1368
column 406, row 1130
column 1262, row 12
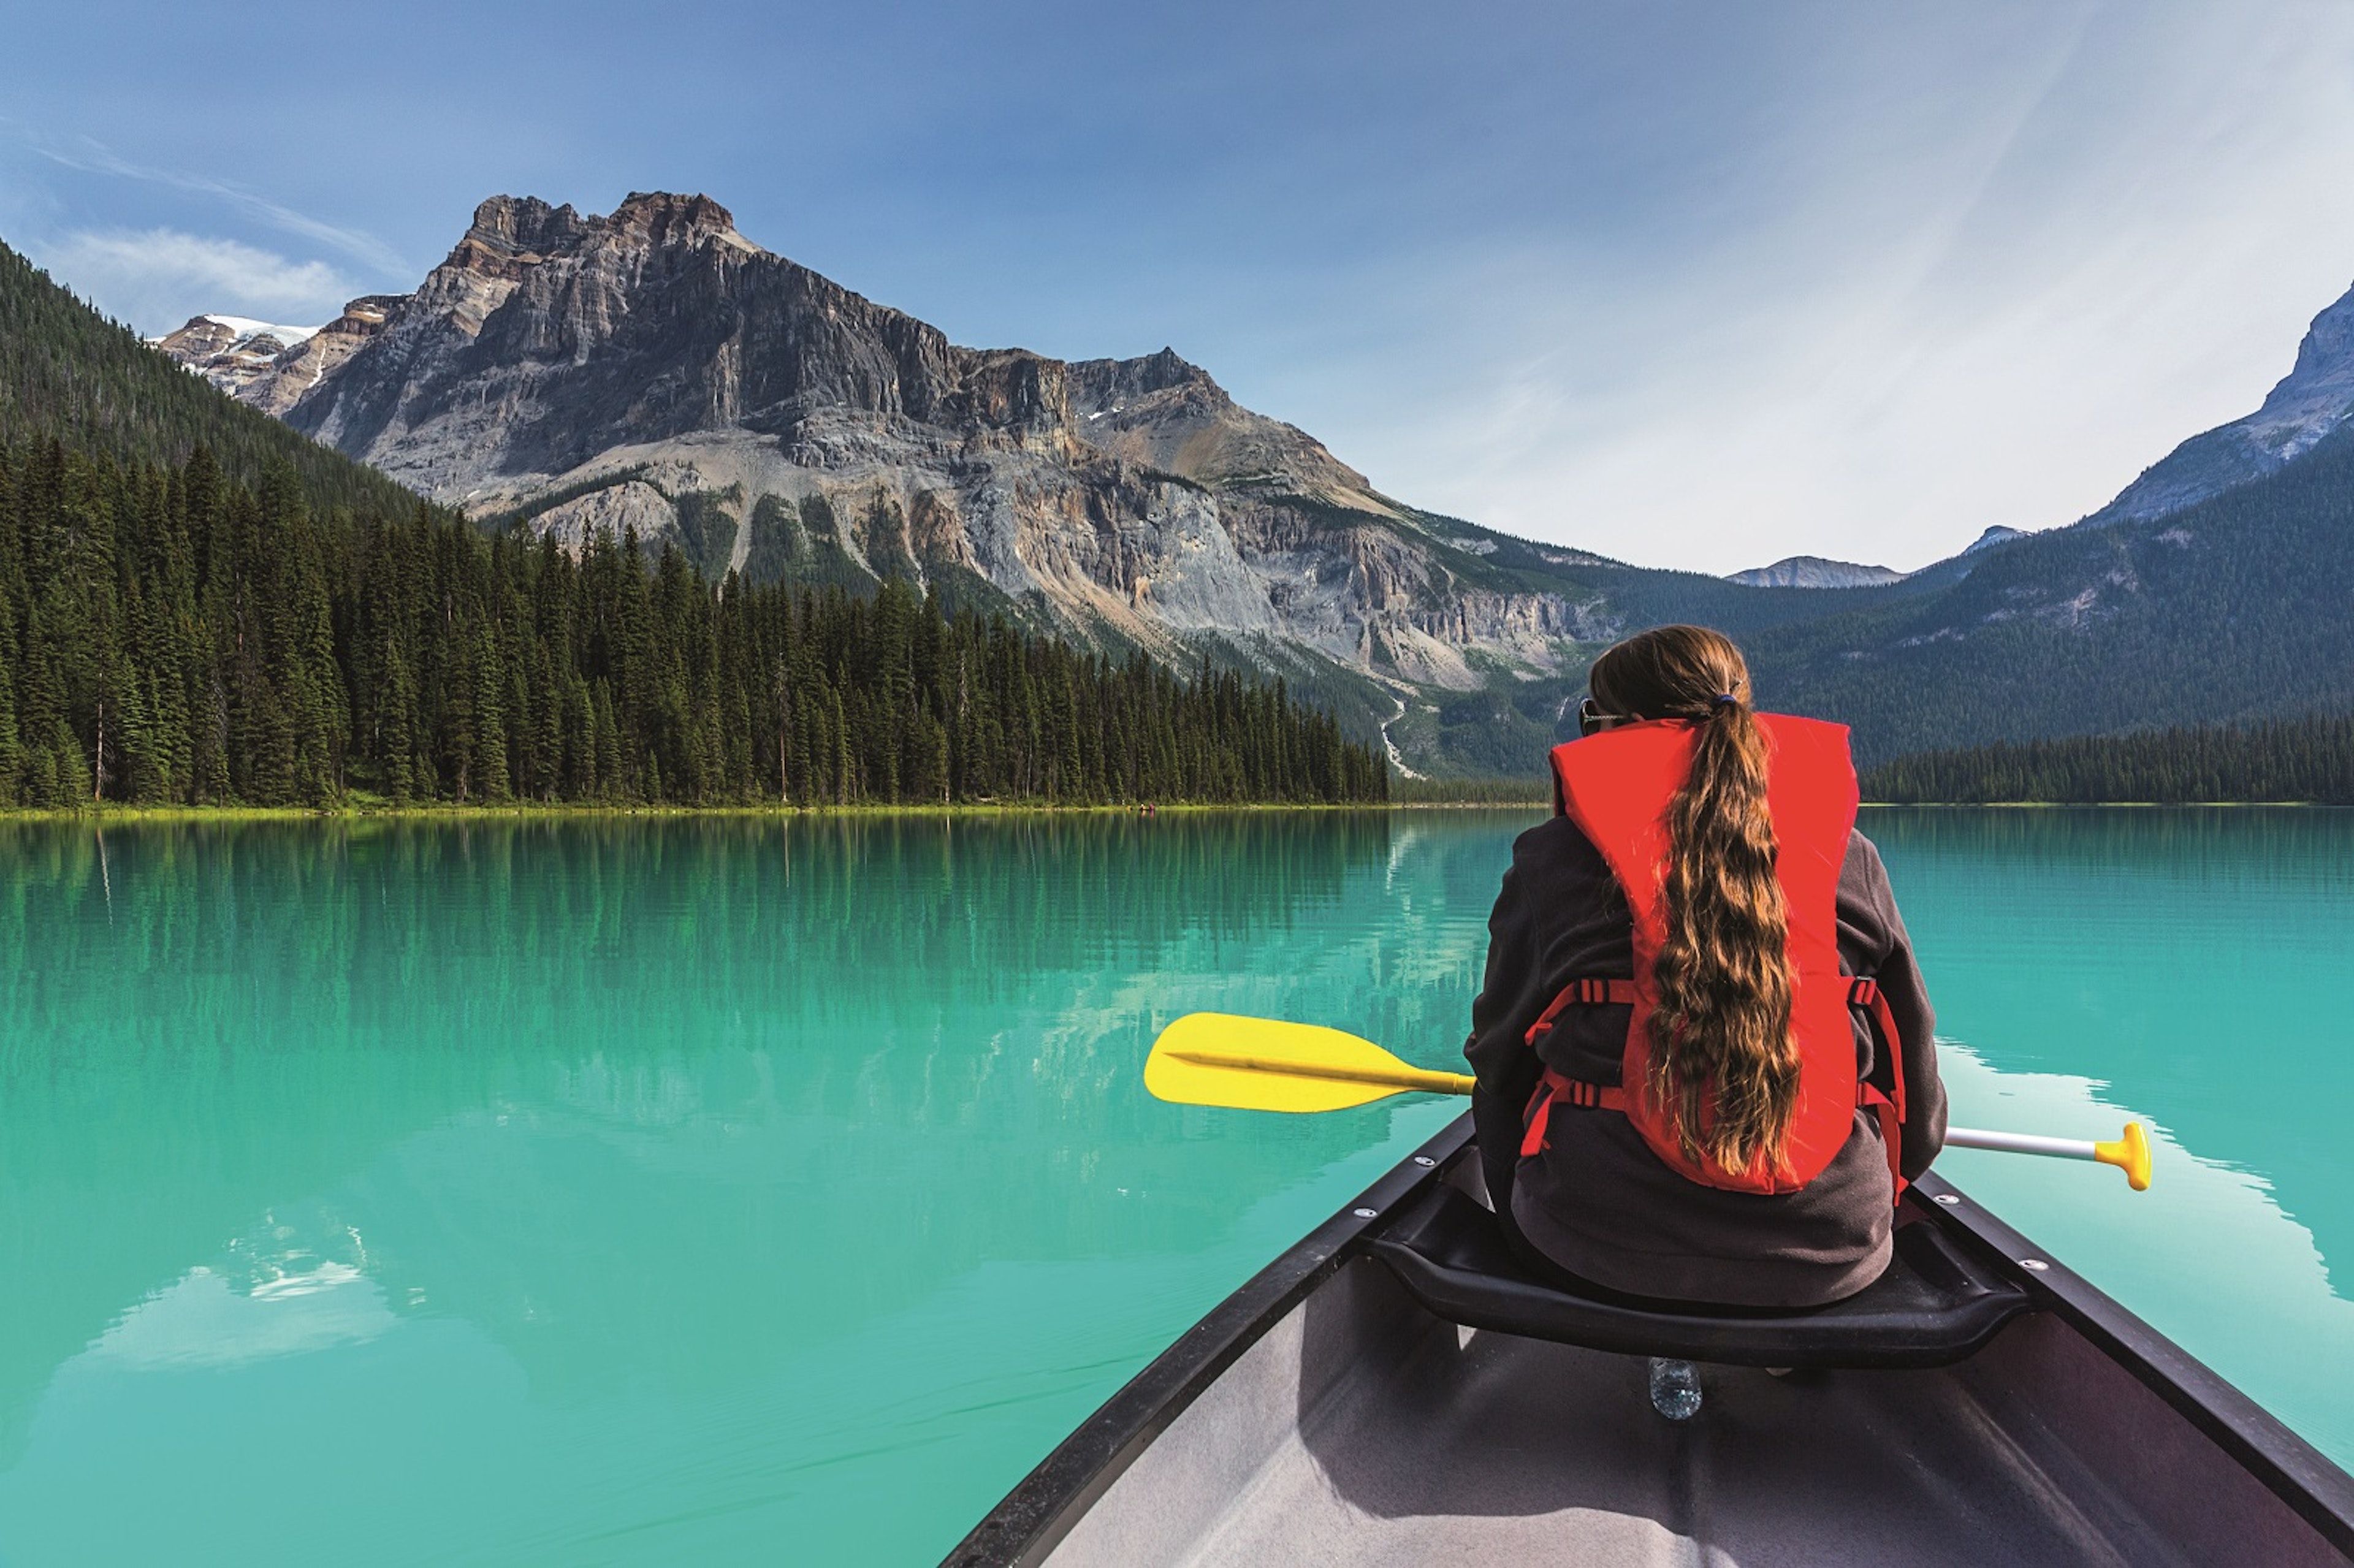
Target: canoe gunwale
column 1033, row 1518
column 2286, row 1464
column 1045, row 1504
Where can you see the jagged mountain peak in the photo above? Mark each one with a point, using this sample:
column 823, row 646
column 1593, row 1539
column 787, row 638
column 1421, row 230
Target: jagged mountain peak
column 2313, row 399
column 664, row 217
column 256, row 362
column 1163, row 412
column 522, row 224
column 527, row 226
column 1110, row 381
column 576, row 335
column 653, row 368
column 513, row 236
column 246, row 329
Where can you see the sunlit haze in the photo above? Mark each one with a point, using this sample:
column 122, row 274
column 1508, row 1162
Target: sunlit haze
column 1695, row 285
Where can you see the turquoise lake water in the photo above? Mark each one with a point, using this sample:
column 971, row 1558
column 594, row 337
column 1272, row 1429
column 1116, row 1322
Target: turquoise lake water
column 746, row 1192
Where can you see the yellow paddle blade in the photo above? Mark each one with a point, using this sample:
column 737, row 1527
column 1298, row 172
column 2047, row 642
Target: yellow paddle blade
column 1265, row 1063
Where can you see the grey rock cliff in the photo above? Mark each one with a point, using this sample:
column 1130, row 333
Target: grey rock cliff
column 655, row 368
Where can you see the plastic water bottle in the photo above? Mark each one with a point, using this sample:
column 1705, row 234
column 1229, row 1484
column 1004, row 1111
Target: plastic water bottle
column 1675, row 1388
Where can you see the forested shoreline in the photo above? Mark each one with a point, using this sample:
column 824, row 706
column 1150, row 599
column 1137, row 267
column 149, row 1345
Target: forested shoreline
column 2304, row 760
column 171, row 637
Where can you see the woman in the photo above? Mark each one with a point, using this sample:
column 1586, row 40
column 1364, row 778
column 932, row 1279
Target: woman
column 1702, row 1049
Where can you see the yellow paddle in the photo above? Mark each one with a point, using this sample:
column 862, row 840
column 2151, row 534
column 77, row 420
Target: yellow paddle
column 1265, row 1063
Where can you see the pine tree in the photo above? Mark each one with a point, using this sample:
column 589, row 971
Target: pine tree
column 176, row 635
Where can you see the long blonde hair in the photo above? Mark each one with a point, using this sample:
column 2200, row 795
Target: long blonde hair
column 1725, row 1064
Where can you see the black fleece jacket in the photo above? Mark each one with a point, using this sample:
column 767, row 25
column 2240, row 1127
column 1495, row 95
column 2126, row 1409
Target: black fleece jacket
column 1598, row 1203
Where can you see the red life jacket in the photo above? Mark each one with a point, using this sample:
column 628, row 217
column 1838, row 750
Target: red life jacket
column 1617, row 787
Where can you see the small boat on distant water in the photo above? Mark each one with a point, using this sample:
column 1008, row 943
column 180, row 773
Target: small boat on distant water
column 1393, row 1390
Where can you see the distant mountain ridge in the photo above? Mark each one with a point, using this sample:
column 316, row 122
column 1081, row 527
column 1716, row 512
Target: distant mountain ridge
column 1998, row 534
column 201, row 606
column 2308, row 403
column 234, row 352
column 1815, row 572
column 654, row 370
column 2233, row 607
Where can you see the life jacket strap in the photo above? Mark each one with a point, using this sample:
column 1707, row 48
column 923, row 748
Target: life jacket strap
column 1583, row 992
column 1553, row 1089
column 1863, row 994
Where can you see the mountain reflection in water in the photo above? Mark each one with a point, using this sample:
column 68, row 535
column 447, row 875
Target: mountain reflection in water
column 669, row 1188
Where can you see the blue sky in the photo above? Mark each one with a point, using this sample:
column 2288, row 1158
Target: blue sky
column 1694, row 284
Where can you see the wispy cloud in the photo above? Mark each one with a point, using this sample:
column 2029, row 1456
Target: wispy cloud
column 158, row 278
column 1976, row 286
column 92, row 157
column 1693, row 283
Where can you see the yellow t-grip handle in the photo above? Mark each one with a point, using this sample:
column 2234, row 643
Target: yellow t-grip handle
column 2130, row 1153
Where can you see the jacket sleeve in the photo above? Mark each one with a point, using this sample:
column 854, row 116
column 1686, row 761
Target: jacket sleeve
column 1868, row 910
column 1506, row 1069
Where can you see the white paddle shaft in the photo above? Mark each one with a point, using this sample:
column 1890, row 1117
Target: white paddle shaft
column 2021, row 1143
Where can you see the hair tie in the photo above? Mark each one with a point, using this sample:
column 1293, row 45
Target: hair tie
column 1722, row 698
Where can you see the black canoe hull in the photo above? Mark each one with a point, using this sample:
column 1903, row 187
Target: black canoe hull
column 1320, row 1413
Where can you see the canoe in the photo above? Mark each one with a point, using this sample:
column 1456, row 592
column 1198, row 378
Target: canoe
column 1392, row 1391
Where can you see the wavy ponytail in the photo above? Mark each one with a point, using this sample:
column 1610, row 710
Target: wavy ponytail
column 1724, row 1066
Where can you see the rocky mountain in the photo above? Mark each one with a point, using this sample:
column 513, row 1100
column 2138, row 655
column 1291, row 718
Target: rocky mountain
column 2313, row 399
column 272, row 368
column 654, row 370
column 233, row 352
column 2228, row 608
column 1815, row 572
column 2216, row 586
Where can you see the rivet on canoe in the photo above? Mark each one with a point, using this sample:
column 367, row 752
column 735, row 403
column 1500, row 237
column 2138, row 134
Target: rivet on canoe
column 1948, row 1199
column 1365, row 1213
column 2035, row 1264
column 1423, row 1159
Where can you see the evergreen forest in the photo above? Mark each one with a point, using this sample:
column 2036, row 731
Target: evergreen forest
column 2307, row 760
column 170, row 636
column 67, row 373
column 2232, row 611
column 199, row 606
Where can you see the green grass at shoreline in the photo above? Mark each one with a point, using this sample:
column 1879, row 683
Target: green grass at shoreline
column 111, row 814
column 2101, row 805
column 108, row 814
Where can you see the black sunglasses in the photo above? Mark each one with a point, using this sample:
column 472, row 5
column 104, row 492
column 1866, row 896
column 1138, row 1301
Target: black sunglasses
column 1592, row 720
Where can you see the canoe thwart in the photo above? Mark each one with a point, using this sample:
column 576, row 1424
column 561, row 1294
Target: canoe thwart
column 1936, row 1305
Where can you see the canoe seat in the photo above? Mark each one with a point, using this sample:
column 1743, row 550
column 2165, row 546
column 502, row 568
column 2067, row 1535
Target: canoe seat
column 1936, row 1305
